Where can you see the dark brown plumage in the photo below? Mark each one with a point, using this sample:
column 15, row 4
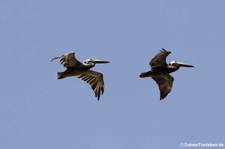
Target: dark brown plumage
column 160, row 72
column 82, row 71
column 160, row 59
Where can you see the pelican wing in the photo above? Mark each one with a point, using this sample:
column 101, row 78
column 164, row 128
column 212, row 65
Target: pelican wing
column 165, row 83
column 95, row 79
column 68, row 60
column 160, row 59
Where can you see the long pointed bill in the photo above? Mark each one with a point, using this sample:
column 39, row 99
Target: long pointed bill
column 184, row 65
column 99, row 61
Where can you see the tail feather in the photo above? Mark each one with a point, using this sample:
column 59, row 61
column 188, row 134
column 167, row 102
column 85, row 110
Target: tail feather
column 60, row 75
column 145, row 74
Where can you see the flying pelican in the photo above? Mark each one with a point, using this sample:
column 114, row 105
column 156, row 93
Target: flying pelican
column 82, row 71
column 160, row 72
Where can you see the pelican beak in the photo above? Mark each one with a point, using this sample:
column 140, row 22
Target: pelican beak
column 184, row 65
column 96, row 61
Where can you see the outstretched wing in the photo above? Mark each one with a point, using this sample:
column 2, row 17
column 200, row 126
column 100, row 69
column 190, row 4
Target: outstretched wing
column 160, row 59
column 165, row 83
column 68, row 60
column 95, row 79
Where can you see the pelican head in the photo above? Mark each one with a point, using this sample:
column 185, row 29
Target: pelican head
column 95, row 61
column 179, row 64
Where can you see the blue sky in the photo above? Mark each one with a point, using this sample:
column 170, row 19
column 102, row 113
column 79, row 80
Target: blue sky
column 39, row 111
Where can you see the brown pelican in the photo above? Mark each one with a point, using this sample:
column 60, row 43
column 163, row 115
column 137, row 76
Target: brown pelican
column 160, row 72
column 82, row 71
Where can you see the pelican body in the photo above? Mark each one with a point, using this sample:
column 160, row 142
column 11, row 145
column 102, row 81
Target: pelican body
column 160, row 72
column 82, row 71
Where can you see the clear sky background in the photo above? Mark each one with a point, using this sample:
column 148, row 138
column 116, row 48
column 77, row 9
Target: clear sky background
column 37, row 111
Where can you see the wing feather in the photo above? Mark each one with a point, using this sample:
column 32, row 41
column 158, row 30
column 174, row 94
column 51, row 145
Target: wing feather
column 68, row 60
column 165, row 83
column 95, row 79
column 160, row 59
